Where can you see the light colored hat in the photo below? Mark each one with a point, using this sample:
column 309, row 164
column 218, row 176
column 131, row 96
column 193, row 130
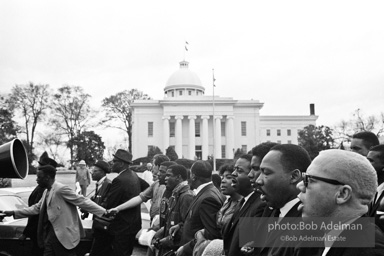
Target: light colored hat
column 82, row 162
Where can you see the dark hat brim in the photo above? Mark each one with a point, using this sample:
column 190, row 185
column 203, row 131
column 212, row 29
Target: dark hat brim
column 124, row 160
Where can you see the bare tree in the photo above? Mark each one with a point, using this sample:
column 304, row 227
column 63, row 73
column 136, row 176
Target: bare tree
column 71, row 112
column 357, row 123
column 31, row 102
column 118, row 107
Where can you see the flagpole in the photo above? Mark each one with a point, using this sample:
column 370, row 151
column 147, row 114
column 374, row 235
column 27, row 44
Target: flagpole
column 214, row 121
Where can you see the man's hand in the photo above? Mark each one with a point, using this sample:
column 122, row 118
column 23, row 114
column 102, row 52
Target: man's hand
column 173, row 230
column 8, row 213
column 247, row 249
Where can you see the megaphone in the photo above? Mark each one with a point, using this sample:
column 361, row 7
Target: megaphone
column 13, row 160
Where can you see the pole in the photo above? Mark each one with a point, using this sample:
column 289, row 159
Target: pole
column 214, row 121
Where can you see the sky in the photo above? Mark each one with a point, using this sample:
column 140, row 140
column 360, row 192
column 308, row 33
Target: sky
column 286, row 54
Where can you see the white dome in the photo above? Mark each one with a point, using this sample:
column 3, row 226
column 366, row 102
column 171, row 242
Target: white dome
column 184, row 79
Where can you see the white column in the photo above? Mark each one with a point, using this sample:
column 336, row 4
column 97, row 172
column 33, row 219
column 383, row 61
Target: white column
column 179, row 136
column 192, row 142
column 165, row 132
column 218, row 136
column 205, row 136
column 230, row 135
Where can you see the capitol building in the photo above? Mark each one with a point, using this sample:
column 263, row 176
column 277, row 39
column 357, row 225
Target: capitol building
column 198, row 126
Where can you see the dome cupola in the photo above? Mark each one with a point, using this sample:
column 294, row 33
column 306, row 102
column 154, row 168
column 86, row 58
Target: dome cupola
column 183, row 82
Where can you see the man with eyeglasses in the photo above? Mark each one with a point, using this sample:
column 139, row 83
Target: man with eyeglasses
column 339, row 186
column 281, row 171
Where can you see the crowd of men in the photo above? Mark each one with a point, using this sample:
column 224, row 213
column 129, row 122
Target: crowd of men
column 274, row 183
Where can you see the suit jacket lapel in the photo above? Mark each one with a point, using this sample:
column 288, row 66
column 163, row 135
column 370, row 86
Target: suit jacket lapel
column 197, row 198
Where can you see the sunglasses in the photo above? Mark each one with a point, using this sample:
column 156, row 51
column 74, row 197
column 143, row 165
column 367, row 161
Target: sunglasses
column 306, row 178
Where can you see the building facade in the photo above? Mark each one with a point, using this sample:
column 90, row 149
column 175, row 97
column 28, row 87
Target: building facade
column 199, row 126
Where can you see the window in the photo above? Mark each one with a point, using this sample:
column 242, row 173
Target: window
column 150, row 129
column 268, row 132
column 222, row 151
column 172, row 129
column 189, row 92
column 289, row 132
column 244, row 148
column 173, row 94
column 243, row 128
column 222, row 129
column 198, row 152
column 278, row 132
column 197, row 129
column 180, row 93
column 289, row 142
column 150, row 148
column 279, row 142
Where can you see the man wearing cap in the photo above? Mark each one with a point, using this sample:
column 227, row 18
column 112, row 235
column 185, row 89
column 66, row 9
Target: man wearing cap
column 125, row 186
column 101, row 239
column 83, row 177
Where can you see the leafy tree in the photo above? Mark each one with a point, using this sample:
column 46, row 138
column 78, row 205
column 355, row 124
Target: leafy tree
column 89, row 147
column 8, row 127
column 31, row 102
column 118, row 108
column 153, row 151
column 71, row 113
column 315, row 139
column 171, row 153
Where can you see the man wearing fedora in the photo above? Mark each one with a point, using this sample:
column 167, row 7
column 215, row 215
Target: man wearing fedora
column 101, row 240
column 125, row 186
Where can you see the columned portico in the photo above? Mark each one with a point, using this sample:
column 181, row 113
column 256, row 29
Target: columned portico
column 205, row 136
column 218, row 136
column 230, row 137
column 165, row 132
column 179, row 136
column 191, row 143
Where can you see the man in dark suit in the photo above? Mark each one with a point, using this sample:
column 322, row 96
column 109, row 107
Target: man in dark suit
column 376, row 157
column 101, row 240
column 339, row 185
column 250, row 206
column 202, row 212
column 281, row 171
column 124, row 187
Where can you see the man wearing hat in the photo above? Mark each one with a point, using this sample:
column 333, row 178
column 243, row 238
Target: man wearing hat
column 101, row 239
column 83, row 177
column 125, row 186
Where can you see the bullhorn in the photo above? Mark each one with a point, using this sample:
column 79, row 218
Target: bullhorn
column 13, row 160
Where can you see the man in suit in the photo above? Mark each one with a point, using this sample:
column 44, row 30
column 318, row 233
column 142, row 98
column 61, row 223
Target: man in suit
column 376, row 157
column 281, row 171
column 363, row 141
column 101, row 240
column 250, row 206
column 202, row 212
column 59, row 228
column 339, row 185
column 125, row 186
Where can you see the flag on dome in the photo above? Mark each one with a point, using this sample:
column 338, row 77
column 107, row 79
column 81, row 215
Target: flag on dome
column 186, row 43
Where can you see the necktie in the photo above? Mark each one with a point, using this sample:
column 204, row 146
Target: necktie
column 97, row 188
column 276, row 213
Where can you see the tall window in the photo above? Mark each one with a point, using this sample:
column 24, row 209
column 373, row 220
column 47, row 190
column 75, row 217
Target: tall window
column 289, row 142
column 172, row 129
column 180, row 93
column 222, row 129
column 279, row 142
column 197, row 129
column 189, row 92
column 243, row 128
column 150, row 129
column 278, row 132
column 289, row 132
column 244, row 148
column 268, row 132
column 222, row 151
